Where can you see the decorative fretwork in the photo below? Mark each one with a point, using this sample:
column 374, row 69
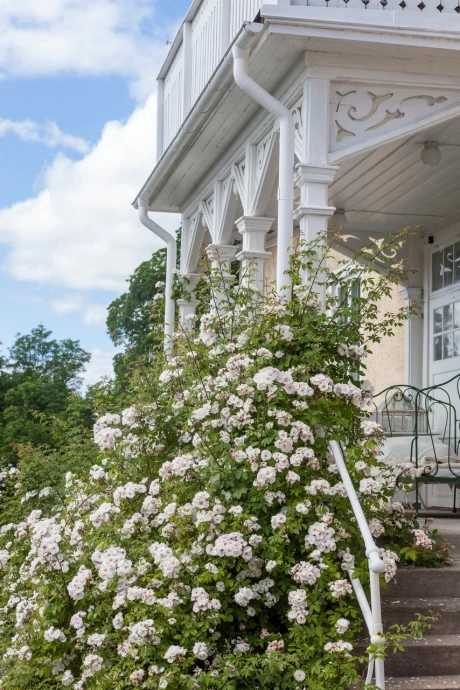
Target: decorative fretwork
column 297, row 116
column 238, row 173
column 262, row 152
column 428, row 7
column 361, row 111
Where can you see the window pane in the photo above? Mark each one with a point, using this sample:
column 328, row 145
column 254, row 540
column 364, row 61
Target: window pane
column 437, row 320
column 457, row 315
column 397, row 423
column 436, row 270
column 457, row 263
column 448, row 265
column 456, row 343
column 437, row 348
column 448, row 318
column 447, row 342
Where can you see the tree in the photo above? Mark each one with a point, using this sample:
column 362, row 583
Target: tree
column 131, row 319
column 55, row 360
column 36, row 381
column 129, row 316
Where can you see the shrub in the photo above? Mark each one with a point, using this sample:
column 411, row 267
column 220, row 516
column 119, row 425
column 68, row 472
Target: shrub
column 210, row 545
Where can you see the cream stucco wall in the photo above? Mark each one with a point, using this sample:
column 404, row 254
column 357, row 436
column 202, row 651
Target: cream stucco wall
column 386, row 365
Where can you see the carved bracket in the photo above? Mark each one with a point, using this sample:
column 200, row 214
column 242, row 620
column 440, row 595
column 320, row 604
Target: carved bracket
column 297, row 115
column 360, row 112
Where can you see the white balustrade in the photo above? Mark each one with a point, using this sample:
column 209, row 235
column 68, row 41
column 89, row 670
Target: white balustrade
column 206, row 46
column 203, row 42
column 173, row 98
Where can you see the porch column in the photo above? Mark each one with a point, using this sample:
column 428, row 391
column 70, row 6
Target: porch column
column 314, row 174
column 412, row 294
column 221, row 257
column 314, row 212
column 414, row 338
column 253, row 255
column 187, row 305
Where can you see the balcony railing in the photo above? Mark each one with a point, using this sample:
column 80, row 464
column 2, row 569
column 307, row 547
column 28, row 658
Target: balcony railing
column 206, row 33
column 209, row 28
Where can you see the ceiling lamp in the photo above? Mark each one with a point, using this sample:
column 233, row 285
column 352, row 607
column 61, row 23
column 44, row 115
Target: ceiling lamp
column 431, row 155
column 339, row 219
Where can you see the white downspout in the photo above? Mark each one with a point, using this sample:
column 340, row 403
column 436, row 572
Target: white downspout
column 241, row 49
column 171, row 260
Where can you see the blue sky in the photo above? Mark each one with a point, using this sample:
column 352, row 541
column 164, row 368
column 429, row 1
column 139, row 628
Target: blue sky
column 77, row 133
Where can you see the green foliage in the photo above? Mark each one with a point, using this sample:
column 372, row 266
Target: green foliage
column 131, row 321
column 38, row 480
column 129, row 316
column 36, row 381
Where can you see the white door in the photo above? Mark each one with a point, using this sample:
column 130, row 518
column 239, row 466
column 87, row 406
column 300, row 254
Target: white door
column 444, row 348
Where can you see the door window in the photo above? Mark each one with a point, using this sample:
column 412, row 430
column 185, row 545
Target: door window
column 446, row 331
column 445, row 267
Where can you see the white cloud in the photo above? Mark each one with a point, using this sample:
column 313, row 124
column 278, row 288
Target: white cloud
column 81, row 232
column 67, row 305
column 95, row 316
column 49, row 134
column 87, row 37
column 99, row 366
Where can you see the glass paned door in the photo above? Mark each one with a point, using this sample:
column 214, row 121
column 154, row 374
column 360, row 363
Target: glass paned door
column 445, row 333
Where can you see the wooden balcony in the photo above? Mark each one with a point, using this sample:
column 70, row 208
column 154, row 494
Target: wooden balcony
column 211, row 25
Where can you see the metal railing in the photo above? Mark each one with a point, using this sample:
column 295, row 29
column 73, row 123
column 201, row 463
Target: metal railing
column 372, row 613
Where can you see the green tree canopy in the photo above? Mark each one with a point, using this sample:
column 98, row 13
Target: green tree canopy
column 129, row 316
column 36, row 381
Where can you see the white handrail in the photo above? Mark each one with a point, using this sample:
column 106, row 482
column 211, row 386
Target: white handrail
column 372, row 613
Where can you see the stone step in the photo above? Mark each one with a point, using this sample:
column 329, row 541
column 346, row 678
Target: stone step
column 425, row 582
column 402, row 611
column 424, row 683
column 449, row 528
column 432, row 655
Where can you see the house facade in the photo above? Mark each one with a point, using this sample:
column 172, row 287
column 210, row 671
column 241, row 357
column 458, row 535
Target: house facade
column 279, row 119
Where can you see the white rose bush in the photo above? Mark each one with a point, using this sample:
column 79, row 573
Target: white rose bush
column 209, row 546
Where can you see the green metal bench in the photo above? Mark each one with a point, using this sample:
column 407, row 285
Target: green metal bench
column 424, row 424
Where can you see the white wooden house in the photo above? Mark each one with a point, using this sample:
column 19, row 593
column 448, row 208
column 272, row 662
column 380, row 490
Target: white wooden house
column 279, row 118
column 273, row 117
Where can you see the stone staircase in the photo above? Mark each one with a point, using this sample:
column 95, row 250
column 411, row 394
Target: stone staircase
column 432, row 663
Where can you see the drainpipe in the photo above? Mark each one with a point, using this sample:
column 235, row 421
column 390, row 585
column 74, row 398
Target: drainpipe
column 241, row 50
column 171, row 260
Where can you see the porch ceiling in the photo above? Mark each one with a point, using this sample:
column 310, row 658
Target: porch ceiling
column 390, row 188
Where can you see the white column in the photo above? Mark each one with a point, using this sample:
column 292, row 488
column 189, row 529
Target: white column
column 414, row 338
column 188, row 304
column 221, row 257
column 313, row 212
column 253, row 255
column 314, row 174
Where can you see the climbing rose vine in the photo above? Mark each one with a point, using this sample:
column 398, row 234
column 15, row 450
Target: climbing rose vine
column 211, row 544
